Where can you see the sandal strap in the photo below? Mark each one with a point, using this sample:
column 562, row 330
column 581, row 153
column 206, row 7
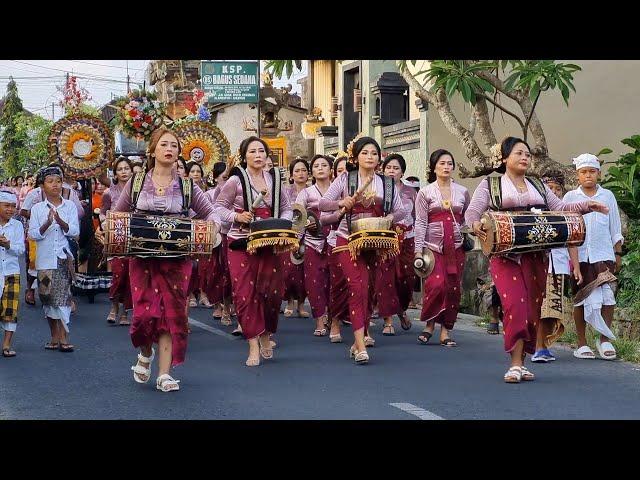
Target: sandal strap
column 140, row 370
column 142, row 358
column 166, row 378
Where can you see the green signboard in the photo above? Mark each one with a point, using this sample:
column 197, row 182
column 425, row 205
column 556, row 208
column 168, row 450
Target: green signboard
column 230, row 82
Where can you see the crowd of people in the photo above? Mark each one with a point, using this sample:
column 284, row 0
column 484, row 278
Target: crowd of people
column 530, row 289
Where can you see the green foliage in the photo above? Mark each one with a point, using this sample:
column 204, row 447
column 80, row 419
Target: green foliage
column 623, row 179
column 535, row 76
column 278, row 67
column 458, row 76
column 10, row 144
column 33, row 132
column 629, row 275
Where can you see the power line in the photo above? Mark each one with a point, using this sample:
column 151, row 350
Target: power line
column 65, row 71
column 104, row 65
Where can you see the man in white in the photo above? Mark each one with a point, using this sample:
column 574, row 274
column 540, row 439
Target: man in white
column 600, row 258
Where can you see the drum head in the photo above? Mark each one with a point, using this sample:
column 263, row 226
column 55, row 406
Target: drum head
column 489, row 227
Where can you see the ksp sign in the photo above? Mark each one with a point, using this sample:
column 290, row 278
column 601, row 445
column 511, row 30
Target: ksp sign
column 230, row 82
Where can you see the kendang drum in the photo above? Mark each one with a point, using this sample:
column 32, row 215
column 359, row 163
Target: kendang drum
column 145, row 235
column 373, row 234
column 272, row 232
column 521, row 232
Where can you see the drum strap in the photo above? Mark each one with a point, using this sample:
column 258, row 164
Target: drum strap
column 276, row 192
column 388, row 191
column 247, row 197
column 247, row 194
column 186, row 189
column 136, row 187
column 495, row 191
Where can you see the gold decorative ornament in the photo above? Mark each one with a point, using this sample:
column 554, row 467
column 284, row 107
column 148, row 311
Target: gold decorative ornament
column 203, row 143
column 82, row 144
column 350, row 157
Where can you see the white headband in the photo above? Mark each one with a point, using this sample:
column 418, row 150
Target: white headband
column 8, row 197
column 586, row 160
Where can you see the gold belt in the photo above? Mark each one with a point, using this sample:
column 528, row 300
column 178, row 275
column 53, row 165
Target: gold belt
column 343, row 248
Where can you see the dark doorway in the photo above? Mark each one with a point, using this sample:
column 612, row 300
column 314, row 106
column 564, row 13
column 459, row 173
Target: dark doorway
column 351, row 119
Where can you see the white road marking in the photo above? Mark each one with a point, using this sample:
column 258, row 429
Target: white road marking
column 421, row 413
column 211, row 329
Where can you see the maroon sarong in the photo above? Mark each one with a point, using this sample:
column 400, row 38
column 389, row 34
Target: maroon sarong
column 194, row 280
column 293, row 279
column 442, row 293
column 159, row 292
column 257, row 287
column 386, row 293
column 219, row 285
column 405, row 276
column 522, row 288
column 120, row 289
column 338, row 291
column 316, row 280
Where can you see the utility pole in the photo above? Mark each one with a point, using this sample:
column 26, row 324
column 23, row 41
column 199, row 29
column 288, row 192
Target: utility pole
column 128, row 87
column 53, row 111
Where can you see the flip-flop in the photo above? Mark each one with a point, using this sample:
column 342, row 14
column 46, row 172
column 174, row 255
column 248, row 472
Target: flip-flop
column 405, row 321
column 390, row 331
column 7, row 352
column 51, row 345
column 447, row 342
column 65, row 347
column 426, row 335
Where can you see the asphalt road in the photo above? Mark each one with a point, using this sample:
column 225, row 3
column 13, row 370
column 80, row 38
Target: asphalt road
column 309, row 378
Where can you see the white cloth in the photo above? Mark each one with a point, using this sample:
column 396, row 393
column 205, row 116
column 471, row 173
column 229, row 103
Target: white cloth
column 603, row 295
column 54, row 243
column 559, row 259
column 603, row 231
column 9, row 326
column 13, row 230
column 59, row 313
column 586, row 160
column 8, row 197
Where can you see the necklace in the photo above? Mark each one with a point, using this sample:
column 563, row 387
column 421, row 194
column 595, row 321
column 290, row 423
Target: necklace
column 446, row 202
column 161, row 189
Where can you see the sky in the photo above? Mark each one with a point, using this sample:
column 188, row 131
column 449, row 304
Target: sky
column 103, row 79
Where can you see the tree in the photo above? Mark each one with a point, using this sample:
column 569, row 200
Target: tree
column 10, row 143
column 484, row 84
column 33, row 131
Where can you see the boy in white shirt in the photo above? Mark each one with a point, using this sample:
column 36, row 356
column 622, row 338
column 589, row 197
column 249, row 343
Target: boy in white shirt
column 52, row 223
column 600, row 258
column 11, row 247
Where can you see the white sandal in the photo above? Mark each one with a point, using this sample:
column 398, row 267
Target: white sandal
column 584, row 353
column 167, row 383
column 605, row 347
column 513, row 375
column 369, row 342
column 527, row 376
column 362, row 357
column 142, row 371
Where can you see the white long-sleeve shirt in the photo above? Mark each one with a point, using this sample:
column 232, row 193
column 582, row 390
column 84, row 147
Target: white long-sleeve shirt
column 603, row 231
column 54, row 242
column 14, row 232
column 35, row 196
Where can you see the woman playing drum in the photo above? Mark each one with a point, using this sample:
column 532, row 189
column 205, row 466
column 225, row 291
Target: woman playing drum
column 520, row 279
column 160, row 285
